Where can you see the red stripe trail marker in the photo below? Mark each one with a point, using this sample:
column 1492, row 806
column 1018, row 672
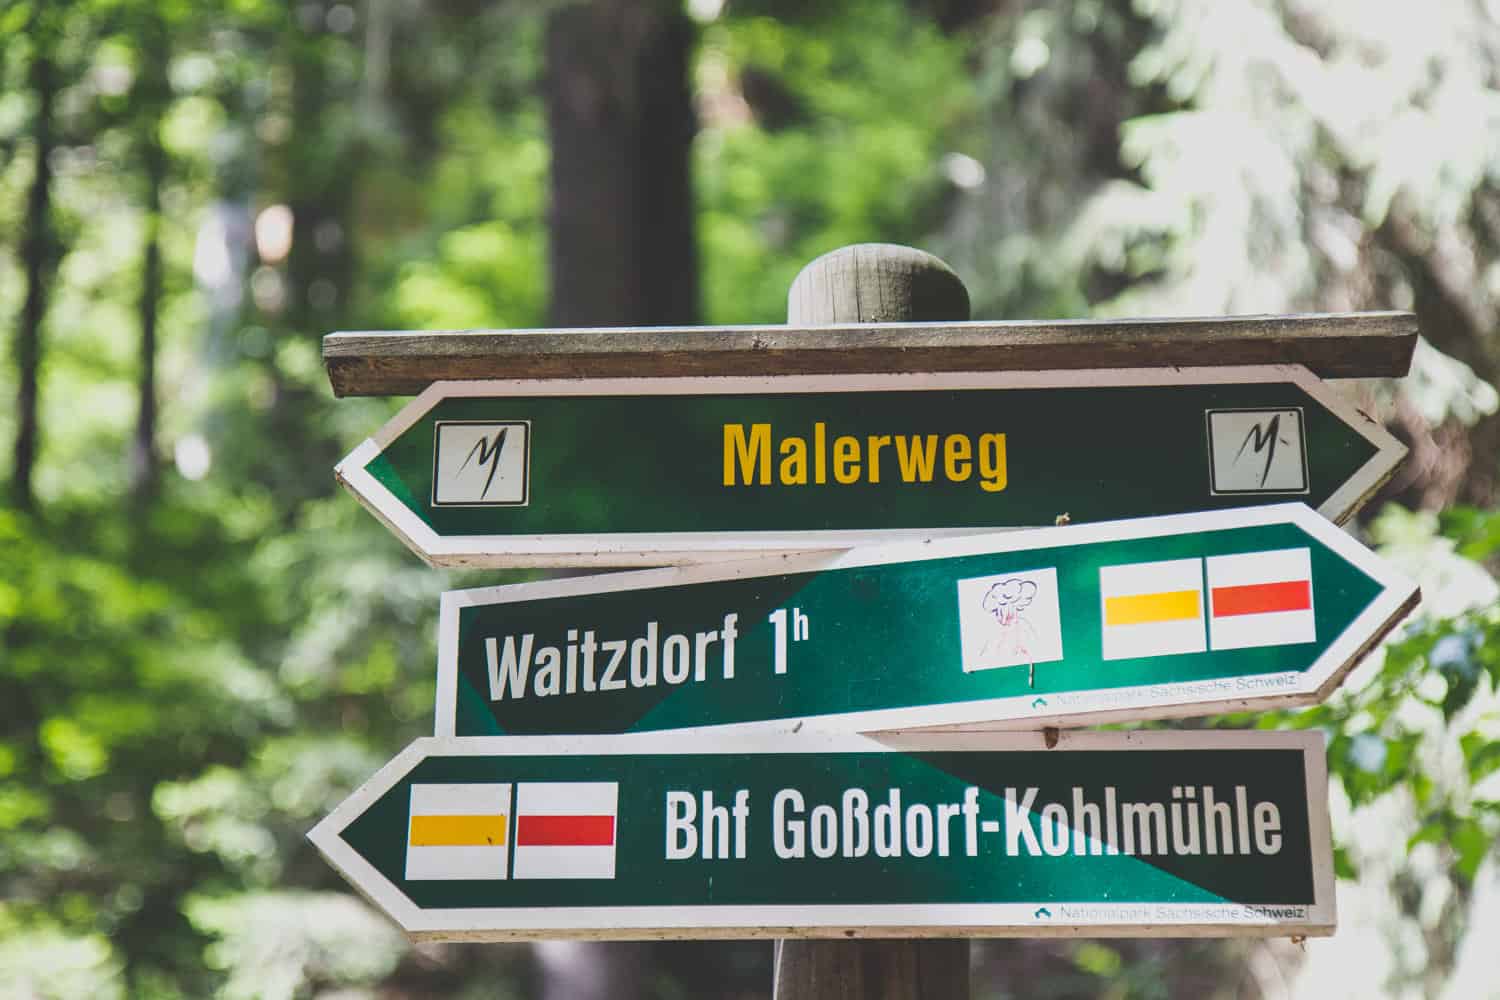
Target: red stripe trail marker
column 1263, row 597
column 563, row 831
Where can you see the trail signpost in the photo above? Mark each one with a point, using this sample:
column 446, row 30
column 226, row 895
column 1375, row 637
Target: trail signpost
column 681, row 835
column 878, row 417
column 647, row 471
column 1183, row 615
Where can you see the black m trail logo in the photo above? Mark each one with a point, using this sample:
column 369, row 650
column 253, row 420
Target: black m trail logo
column 481, row 463
column 1257, row 451
column 486, row 453
column 1264, row 439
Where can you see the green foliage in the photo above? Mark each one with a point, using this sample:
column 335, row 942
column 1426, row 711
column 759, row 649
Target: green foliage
column 271, row 944
column 1424, row 723
column 1476, row 532
column 483, row 266
column 189, row 681
column 166, row 737
column 50, row 965
column 853, row 158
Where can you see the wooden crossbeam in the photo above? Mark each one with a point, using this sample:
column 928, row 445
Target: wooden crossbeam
column 1332, row 345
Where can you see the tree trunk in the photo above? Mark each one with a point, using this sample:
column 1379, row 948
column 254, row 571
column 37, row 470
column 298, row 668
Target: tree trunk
column 39, row 253
column 316, row 173
column 622, row 253
column 621, row 121
column 143, row 450
column 153, row 96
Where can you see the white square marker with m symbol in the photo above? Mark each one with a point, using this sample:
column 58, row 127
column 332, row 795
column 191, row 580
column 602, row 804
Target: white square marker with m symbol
column 1257, row 451
column 481, row 463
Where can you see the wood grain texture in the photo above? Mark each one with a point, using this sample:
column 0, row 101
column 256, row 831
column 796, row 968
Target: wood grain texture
column 872, row 970
column 876, row 283
column 1338, row 345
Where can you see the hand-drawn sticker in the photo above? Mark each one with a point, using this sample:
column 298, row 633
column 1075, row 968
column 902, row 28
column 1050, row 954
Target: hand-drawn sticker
column 1009, row 620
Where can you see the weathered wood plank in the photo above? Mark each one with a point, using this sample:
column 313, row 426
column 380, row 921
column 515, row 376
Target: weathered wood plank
column 1334, row 345
column 873, row 970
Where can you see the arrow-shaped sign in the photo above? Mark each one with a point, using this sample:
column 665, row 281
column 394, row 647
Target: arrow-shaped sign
column 679, row 835
column 673, row 470
column 1184, row 615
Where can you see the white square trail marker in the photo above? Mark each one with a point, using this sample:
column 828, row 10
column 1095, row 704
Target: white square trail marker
column 480, row 463
column 1258, row 451
column 458, row 831
column 1152, row 609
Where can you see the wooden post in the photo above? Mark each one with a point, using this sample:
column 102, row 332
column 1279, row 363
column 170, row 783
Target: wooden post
column 874, row 283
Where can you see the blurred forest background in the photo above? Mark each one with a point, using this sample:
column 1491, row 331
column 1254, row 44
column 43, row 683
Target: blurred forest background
column 204, row 646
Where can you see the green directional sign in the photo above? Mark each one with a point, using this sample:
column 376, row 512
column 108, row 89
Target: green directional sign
column 1183, row 615
column 675, row 470
column 981, row 834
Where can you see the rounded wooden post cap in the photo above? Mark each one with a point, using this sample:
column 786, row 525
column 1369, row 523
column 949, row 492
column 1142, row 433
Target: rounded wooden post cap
column 876, row 283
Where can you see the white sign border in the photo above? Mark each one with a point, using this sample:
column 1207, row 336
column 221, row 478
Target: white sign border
column 863, row 920
column 1153, row 701
column 658, row 548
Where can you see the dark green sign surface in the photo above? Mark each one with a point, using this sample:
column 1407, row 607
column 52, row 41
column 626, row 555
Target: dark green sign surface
column 918, row 634
column 780, row 464
column 1105, row 829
